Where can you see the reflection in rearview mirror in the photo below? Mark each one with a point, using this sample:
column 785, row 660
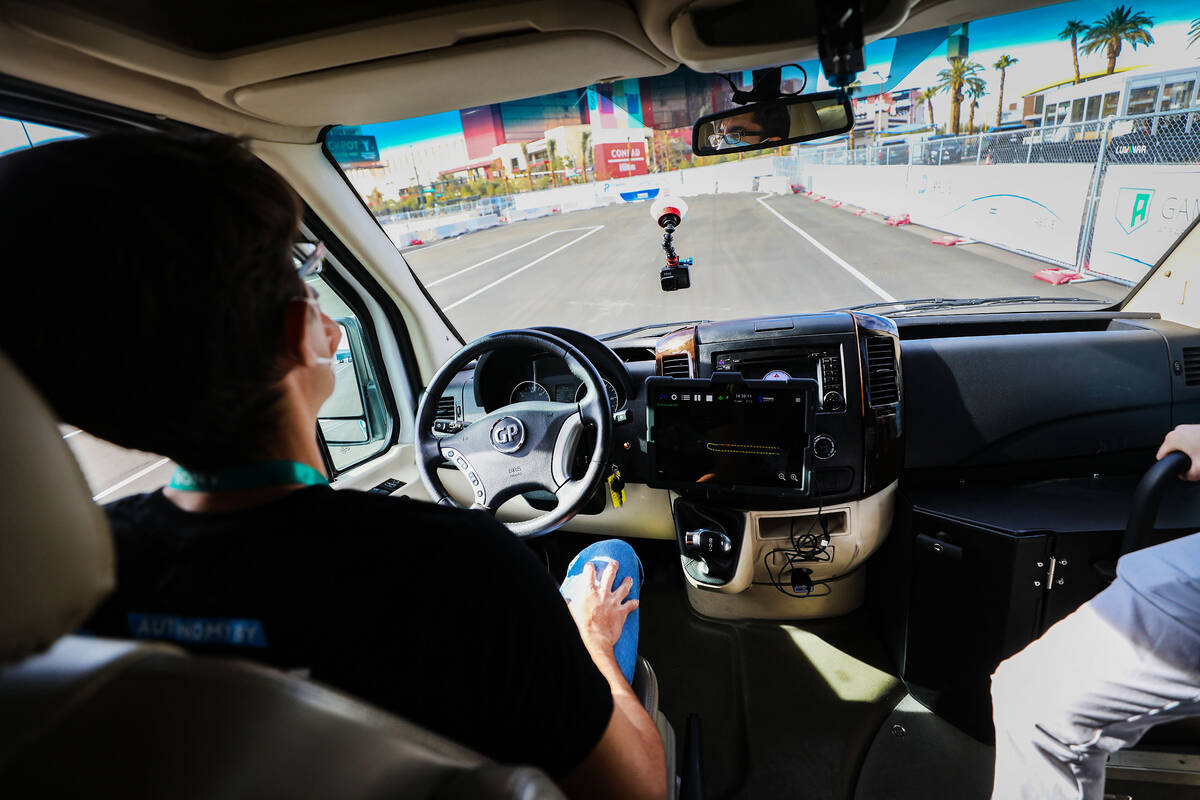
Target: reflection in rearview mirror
column 773, row 123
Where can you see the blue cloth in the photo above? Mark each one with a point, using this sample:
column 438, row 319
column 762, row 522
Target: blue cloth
column 628, row 566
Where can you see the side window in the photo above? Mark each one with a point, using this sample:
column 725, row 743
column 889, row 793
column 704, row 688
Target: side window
column 355, row 421
column 111, row 471
column 16, row 134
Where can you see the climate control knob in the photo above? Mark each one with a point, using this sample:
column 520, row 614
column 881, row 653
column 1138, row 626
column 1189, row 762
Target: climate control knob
column 824, row 446
column 833, row 401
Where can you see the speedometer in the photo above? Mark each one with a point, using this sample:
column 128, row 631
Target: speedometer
column 528, row 390
column 609, row 390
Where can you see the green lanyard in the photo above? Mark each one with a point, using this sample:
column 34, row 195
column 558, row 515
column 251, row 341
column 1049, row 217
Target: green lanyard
column 250, row 476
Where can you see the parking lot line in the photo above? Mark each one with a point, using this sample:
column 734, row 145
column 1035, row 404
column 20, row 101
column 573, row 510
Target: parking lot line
column 521, row 269
column 863, row 279
column 498, row 255
column 140, row 473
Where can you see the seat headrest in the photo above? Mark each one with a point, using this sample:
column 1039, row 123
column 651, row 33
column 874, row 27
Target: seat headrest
column 56, row 552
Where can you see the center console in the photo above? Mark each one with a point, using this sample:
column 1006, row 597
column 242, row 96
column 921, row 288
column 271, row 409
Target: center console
column 731, row 437
column 780, row 440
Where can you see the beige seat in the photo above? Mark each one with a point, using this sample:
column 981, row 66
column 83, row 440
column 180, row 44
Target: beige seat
column 81, row 716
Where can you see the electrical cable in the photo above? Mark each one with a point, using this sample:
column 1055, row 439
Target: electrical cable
column 805, row 549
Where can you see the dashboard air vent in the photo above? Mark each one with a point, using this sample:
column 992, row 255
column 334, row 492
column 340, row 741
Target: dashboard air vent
column 630, row 354
column 881, row 371
column 1191, row 366
column 445, row 408
column 678, row 365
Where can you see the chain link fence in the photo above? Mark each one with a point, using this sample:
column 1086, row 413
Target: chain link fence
column 1171, row 137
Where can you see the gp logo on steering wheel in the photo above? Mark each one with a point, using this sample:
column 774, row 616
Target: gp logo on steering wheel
column 508, row 434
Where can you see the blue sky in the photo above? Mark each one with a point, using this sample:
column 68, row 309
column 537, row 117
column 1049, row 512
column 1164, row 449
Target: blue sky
column 1040, row 24
column 406, row 131
column 1031, row 36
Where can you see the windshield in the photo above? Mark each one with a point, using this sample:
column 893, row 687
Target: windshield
column 1043, row 159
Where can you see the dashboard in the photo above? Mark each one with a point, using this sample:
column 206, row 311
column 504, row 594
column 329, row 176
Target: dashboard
column 972, row 407
column 838, row 439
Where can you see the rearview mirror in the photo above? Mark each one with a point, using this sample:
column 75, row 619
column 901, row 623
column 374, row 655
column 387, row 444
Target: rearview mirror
column 773, row 123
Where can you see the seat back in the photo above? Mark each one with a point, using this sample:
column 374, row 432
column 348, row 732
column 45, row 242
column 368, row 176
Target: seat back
column 82, row 716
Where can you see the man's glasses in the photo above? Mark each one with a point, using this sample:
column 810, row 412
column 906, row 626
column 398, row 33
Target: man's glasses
column 731, row 137
column 313, row 262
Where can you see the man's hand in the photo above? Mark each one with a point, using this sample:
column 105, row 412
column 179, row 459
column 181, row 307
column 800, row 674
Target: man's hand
column 1185, row 439
column 628, row 762
column 600, row 611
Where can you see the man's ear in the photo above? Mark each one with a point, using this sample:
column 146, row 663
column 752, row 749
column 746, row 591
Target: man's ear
column 295, row 330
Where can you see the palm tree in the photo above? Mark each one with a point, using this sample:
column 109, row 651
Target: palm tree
column 1002, row 63
column 1118, row 26
column 927, row 97
column 1194, row 32
column 975, row 92
column 552, row 158
column 1073, row 30
column 585, row 142
column 961, row 71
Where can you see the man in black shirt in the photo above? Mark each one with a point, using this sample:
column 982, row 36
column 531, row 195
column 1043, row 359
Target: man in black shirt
column 193, row 335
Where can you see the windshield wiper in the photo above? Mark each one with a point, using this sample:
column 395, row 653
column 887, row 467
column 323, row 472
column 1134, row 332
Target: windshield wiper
column 621, row 334
column 929, row 303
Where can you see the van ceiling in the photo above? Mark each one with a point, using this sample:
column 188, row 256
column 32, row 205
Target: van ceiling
column 221, row 27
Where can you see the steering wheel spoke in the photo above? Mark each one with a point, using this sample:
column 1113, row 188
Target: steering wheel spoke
column 452, row 449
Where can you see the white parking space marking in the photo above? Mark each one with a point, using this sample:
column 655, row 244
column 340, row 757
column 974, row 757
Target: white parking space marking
column 139, row 474
column 519, row 270
column 863, row 279
column 498, row 255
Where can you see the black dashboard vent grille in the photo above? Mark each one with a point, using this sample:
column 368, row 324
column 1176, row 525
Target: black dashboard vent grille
column 881, row 371
column 1191, row 366
column 629, row 354
column 445, row 408
column 678, row 365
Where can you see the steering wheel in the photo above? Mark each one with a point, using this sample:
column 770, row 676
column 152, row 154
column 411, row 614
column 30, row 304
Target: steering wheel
column 521, row 446
column 1144, row 508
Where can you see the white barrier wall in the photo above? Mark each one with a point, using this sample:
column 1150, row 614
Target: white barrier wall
column 1030, row 208
column 753, row 174
column 565, row 198
column 1142, row 211
column 880, row 189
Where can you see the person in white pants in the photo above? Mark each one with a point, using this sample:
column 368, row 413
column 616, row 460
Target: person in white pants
column 1126, row 660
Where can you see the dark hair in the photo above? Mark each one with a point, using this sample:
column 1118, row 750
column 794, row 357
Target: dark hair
column 148, row 276
column 774, row 120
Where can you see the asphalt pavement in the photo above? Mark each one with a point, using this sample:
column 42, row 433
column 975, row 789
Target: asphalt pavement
column 597, row 271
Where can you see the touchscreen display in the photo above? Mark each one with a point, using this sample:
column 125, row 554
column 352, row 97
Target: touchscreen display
column 744, row 435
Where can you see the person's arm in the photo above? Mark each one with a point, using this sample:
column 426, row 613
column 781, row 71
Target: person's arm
column 628, row 761
column 1185, row 439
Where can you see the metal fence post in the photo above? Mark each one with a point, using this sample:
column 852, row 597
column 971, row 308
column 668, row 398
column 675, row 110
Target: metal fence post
column 1083, row 256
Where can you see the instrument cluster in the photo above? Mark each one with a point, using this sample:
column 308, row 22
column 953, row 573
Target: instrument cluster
column 516, row 378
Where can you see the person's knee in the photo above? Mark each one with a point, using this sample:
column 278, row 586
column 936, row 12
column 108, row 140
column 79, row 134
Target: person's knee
column 616, row 549
column 1015, row 690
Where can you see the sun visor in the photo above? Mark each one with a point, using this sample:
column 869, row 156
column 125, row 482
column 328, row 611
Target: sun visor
column 411, row 62
column 721, row 35
column 449, row 79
